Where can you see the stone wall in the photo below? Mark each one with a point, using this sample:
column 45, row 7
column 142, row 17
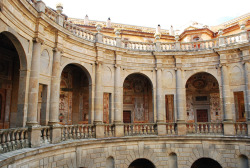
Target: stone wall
column 93, row 154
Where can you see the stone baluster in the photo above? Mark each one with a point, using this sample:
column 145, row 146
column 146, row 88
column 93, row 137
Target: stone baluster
column 227, row 105
column 54, row 98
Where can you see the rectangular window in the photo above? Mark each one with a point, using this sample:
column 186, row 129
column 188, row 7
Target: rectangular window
column 169, row 108
column 239, row 106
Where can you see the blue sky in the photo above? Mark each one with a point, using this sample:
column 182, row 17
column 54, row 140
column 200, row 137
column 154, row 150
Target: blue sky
column 150, row 13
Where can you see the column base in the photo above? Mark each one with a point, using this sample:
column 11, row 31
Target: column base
column 55, row 133
column 161, row 128
column 229, row 128
column 34, row 136
column 119, row 129
column 181, row 128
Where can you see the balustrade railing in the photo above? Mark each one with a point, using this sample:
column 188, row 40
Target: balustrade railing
column 13, row 139
column 231, row 39
column 199, row 45
column 171, row 128
column 32, row 2
column 45, row 134
column 168, row 46
column 138, row 46
column 241, row 129
column 51, row 14
column 205, row 128
column 78, row 132
column 140, row 129
column 79, row 32
column 109, row 40
column 109, row 130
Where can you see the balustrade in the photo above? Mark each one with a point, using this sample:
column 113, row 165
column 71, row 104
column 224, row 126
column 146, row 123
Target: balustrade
column 51, row 14
column 109, row 40
column 45, row 134
column 77, row 132
column 109, row 130
column 13, row 139
column 139, row 46
column 205, row 128
column 200, row 45
column 232, row 39
column 241, row 129
column 167, row 46
column 140, row 129
column 171, row 128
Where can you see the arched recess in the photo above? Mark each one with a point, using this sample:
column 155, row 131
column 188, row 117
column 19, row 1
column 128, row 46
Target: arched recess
column 137, row 99
column 142, row 163
column 243, row 161
column 203, row 98
column 206, row 163
column 110, row 162
column 75, row 95
column 13, row 76
column 172, row 162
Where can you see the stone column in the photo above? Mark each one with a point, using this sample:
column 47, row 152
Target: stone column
column 118, row 103
column 227, row 106
column 98, row 118
column 180, row 103
column 246, row 55
column 54, row 98
column 161, row 127
column 34, row 131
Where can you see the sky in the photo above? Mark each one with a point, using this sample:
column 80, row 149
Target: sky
column 150, row 13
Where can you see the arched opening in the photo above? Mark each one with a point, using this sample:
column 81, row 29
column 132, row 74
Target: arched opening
column 141, row 163
column 74, row 106
column 110, row 162
column 9, row 81
column 137, row 99
column 206, row 163
column 243, row 161
column 172, row 163
column 203, row 98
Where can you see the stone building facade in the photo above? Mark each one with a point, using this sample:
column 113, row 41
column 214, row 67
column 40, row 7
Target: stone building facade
column 81, row 93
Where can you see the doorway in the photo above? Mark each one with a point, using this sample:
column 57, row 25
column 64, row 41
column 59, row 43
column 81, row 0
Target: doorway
column 126, row 116
column 202, row 115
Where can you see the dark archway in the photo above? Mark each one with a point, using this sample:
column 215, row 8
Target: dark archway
column 141, row 163
column 203, row 98
column 9, row 79
column 206, row 163
column 74, row 103
column 137, row 99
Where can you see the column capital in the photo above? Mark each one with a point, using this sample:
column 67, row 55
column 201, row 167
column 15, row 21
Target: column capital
column 117, row 65
column 178, row 68
column 223, row 64
column 98, row 62
column 56, row 49
column 38, row 40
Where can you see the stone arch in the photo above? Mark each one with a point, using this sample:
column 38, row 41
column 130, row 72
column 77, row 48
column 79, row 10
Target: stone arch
column 141, row 73
column 213, row 154
column 203, row 98
column 138, row 99
column 18, row 43
column 190, row 74
column 18, row 102
column 78, row 64
column 75, row 94
column 207, row 162
column 142, row 162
